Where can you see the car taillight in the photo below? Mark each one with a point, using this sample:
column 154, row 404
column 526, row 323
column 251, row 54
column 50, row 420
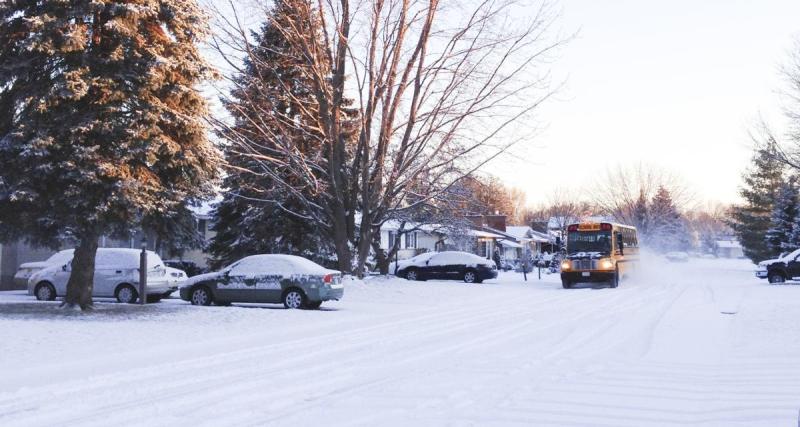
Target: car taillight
column 328, row 278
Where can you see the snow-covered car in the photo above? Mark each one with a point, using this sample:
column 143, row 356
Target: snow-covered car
column 452, row 265
column 780, row 269
column 396, row 266
column 26, row 270
column 176, row 278
column 190, row 267
column 677, row 256
column 116, row 275
column 292, row 280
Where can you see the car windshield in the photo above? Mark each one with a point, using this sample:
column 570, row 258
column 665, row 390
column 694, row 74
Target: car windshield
column 61, row 257
column 792, row 255
column 421, row 258
column 589, row 241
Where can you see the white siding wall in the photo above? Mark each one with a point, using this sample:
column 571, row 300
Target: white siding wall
column 425, row 242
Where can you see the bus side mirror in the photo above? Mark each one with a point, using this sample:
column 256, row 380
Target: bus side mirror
column 620, row 244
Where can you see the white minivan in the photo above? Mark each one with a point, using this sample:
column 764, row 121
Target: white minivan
column 116, row 275
column 26, row 270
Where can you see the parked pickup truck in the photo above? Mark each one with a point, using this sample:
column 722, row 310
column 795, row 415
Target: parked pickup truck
column 779, row 270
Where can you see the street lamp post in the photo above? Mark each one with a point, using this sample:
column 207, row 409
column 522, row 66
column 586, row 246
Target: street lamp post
column 143, row 272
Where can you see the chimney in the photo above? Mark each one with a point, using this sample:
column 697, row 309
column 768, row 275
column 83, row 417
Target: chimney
column 498, row 222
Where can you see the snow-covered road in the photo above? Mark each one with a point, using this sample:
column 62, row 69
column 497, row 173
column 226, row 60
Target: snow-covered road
column 701, row 343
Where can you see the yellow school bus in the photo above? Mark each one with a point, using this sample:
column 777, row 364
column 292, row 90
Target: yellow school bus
column 599, row 252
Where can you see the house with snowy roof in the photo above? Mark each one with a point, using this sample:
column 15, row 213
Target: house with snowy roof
column 413, row 238
column 729, row 248
column 481, row 235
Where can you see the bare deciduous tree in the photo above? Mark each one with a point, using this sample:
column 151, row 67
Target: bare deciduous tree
column 623, row 189
column 708, row 224
column 791, row 71
column 563, row 207
column 436, row 92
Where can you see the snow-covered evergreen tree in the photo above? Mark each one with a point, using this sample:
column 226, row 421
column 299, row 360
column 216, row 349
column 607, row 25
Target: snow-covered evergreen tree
column 271, row 106
column 794, row 237
column 667, row 229
column 641, row 217
column 751, row 220
column 175, row 230
column 102, row 121
column 781, row 235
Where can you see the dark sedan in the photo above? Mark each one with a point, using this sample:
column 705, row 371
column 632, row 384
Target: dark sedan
column 450, row 265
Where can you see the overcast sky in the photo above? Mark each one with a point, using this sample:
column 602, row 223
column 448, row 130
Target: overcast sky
column 674, row 84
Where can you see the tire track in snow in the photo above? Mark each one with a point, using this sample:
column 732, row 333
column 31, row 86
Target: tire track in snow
column 237, row 357
column 519, row 333
column 468, row 313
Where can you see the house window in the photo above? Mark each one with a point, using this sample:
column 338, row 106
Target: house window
column 201, row 226
column 411, row 240
column 392, row 237
column 483, row 248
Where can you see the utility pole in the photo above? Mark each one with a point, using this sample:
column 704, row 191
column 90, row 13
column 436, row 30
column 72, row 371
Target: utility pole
column 143, row 273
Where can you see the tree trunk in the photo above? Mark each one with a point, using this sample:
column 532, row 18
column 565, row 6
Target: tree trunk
column 81, row 280
column 341, row 244
column 381, row 258
column 364, row 243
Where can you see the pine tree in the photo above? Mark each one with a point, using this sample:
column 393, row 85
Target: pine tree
column 272, row 106
column 751, row 220
column 794, row 237
column 102, row 121
column 175, row 231
column 781, row 235
column 641, row 216
column 667, row 229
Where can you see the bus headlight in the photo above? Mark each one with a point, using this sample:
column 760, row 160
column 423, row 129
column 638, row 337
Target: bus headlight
column 606, row 264
column 565, row 265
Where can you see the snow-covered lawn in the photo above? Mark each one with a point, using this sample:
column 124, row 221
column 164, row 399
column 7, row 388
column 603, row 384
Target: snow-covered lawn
column 700, row 343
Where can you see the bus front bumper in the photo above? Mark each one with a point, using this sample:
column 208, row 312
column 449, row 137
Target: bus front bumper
column 587, row 276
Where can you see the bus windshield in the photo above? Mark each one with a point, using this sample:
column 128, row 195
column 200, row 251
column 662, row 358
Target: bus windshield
column 589, row 241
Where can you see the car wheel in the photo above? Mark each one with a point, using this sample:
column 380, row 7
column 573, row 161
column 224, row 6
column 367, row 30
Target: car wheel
column 294, row 298
column 412, row 274
column 776, row 278
column 126, row 294
column 201, row 296
column 45, row 292
column 313, row 305
column 470, row 277
column 566, row 284
column 615, row 280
